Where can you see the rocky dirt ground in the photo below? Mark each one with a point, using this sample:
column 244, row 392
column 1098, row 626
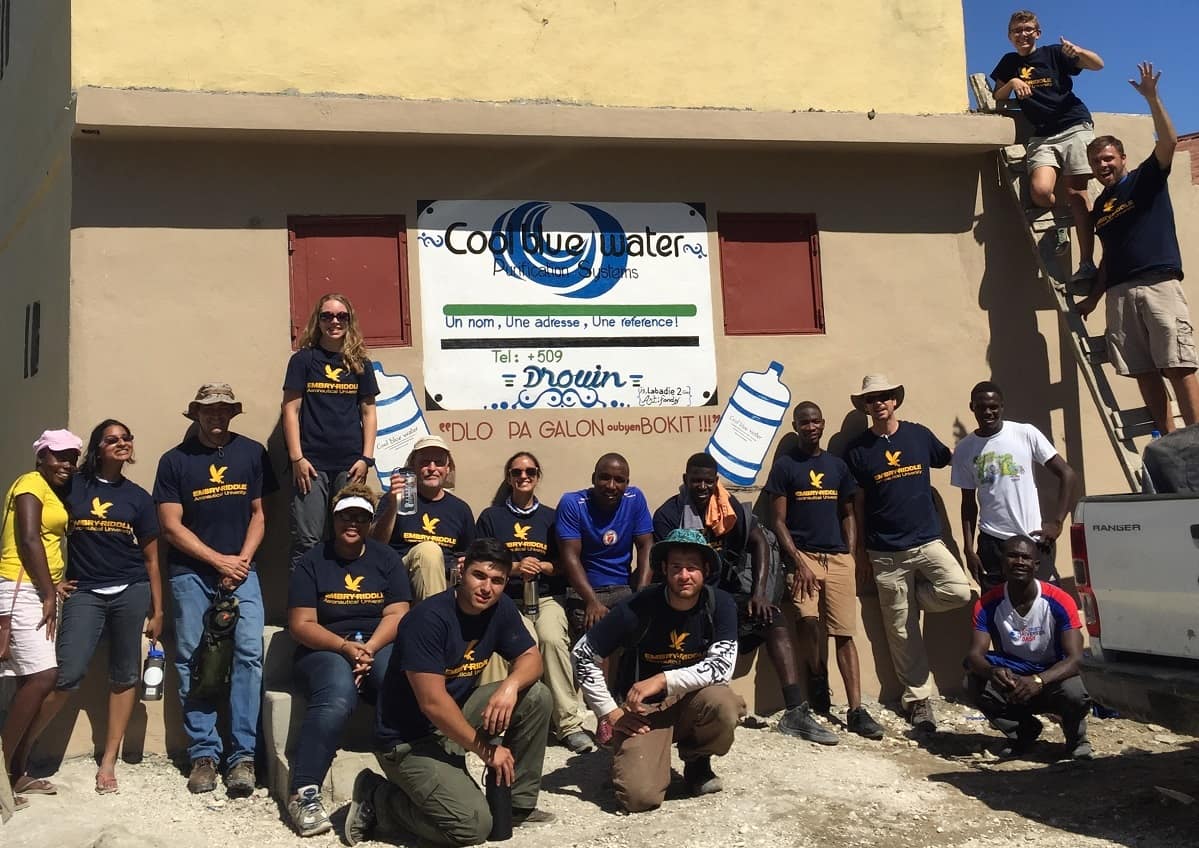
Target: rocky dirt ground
column 904, row 792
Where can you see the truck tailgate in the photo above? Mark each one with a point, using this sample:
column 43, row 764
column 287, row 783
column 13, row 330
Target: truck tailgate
column 1144, row 564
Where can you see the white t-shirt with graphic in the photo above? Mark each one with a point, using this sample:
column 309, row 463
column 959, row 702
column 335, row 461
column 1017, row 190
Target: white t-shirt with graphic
column 1000, row 469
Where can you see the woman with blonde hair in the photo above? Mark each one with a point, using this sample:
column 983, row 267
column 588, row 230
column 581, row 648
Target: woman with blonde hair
column 328, row 416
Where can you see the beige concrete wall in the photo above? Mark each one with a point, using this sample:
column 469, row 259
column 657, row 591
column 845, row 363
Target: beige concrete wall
column 774, row 55
column 35, row 196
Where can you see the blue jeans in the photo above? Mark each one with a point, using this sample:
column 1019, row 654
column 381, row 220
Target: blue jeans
column 192, row 596
column 85, row 616
column 326, row 680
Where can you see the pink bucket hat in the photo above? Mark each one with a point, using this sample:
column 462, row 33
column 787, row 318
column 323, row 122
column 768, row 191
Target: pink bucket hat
column 57, row 440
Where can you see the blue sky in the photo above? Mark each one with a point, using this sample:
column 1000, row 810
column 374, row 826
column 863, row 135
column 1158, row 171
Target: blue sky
column 1123, row 32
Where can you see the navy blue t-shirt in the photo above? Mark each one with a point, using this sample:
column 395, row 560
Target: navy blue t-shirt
column 607, row 536
column 1134, row 220
column 215, row 487
column 1053, row 107
column 109, row 524
column 447, row 521
column 893, row 471
column 349, row 594
column 330, row 418
column 525, row 535
column 437, row 637
column 815, row 487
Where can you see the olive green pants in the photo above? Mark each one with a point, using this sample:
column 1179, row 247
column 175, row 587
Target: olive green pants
column 430, row 794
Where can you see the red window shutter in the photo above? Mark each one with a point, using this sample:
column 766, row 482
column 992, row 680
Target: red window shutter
column 770, row 274
column 364, row 258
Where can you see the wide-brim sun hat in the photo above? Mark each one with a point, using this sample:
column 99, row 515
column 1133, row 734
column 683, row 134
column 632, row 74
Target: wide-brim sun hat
column 873, row 384
column 213, row 393
column 687, row 538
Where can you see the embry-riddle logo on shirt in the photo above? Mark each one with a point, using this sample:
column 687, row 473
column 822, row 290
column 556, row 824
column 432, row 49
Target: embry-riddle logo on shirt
column 1026, row 74
column 1113, row 209
column 219, row 489
column 332, row 373
column 354, row 584
column 469, row 667
column 521, row 531
column 100, row 508
column 817, row 480
column 896, row 468
column 893, row 458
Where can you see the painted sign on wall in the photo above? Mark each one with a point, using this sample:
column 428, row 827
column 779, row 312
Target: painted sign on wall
column 537, row 304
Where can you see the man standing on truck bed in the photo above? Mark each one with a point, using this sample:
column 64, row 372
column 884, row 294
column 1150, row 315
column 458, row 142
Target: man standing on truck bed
column 993, row 467
column 1149, row 332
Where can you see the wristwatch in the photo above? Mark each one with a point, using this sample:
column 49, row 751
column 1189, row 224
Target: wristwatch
column 1036, row 678
column 369, row 460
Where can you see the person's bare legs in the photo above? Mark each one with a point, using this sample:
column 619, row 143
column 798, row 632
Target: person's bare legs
column 851, row 675
column 1041, row 184
column 1153, row 390
column 781, row 648
column 809, row 644
column 1076, row 197
column 17, row 738
column 1186, row 392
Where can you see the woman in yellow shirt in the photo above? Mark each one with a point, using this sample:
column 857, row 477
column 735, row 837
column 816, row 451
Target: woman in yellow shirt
column 31, row 566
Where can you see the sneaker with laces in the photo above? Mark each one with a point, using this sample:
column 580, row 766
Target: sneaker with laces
column 307, row 813
column 820, row 699
column 239, row 780
column 799, row 721
column 700, row 778
column 578, row 742
column 860, row 721
column 203, row 776
column 360, row 818
column 920, row 715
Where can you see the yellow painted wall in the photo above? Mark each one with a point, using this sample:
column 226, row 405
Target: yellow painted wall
column 852, row 55
column 35, row 197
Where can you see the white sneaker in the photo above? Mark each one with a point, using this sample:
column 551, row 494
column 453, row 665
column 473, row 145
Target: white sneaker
column 307, row 813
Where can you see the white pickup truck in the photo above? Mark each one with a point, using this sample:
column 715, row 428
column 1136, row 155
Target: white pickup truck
column 1136, row 566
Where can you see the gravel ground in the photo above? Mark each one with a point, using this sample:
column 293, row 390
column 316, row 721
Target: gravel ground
column 904, row 792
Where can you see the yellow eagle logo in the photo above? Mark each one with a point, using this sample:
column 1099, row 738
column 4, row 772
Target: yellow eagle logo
column 817, row 480
column 100, row 508
column 677, row 639
column 1026, row 73
column 333, row 374
column 893, row 458
column 354, row 584
column 468, row 654
column 430, row 524
column 521, row 531
column 217, row 475
column 1109, row 204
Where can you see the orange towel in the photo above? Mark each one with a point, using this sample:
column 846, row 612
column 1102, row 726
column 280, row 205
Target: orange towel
column 720, row 518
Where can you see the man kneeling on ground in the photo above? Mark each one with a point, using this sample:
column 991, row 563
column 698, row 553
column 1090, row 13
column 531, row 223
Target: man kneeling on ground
column 679, row 642
column 1033, row 668
column 431, row 708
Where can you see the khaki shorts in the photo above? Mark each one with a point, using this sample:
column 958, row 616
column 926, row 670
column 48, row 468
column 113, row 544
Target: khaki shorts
column 1066, row 151
column 1149, row 327
column 837, row 600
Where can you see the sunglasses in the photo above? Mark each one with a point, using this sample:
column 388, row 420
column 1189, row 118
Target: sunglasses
column 882, row 397
column 340, row 317
column 524, row 472
column 112, row 440
column 353, row 517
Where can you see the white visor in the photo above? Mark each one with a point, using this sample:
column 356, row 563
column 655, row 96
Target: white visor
column 354, row 503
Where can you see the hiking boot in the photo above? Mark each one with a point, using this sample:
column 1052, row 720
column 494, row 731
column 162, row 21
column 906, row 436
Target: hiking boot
column 798, row 721
column 577, row 742
column 920, row 715
column 1061, row 241
column 1026, row 737
column 360, row 818
column 307, row 813
column 1080, row 749
column 859, row 721
column 700, row 778
column 239, row 780
column 203, row 776
column 534, row 816
column 820, row 699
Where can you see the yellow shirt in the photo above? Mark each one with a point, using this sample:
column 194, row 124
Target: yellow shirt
column 53, row 530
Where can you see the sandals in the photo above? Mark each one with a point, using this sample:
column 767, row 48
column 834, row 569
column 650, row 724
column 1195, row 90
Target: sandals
column 26, row 785
column 106, row 784
column 19, row 802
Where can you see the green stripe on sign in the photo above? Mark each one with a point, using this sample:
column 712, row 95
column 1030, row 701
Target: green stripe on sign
column 657, row 310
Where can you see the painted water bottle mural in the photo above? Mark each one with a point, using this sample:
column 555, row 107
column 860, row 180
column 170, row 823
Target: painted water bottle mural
column 751, row 420
column 401, row 423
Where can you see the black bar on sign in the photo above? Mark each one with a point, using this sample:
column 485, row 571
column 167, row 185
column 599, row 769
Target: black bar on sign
column 603, row 341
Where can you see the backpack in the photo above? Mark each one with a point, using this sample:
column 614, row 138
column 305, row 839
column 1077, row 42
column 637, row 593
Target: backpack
column 628, row 669
column 738, row 570
column 212, row 663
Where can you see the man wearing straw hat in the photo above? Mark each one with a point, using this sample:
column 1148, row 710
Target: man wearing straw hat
column 209, row 492
column 902, row 538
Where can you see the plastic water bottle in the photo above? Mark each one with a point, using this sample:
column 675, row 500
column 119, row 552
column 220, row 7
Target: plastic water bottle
column 153, row 673
column 1155, row 434
column 401, row 423
column 407, row 502
column 499, row 802
column 750, row 422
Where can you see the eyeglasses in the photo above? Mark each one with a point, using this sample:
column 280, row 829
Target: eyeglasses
column 882, row 397
column 524, row 472
column 112, row 440
column 340, row 317
column 1025, row 30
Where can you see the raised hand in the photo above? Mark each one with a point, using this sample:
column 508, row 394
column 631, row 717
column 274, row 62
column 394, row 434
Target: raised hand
column 1069, row 48
column 1147, row 86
